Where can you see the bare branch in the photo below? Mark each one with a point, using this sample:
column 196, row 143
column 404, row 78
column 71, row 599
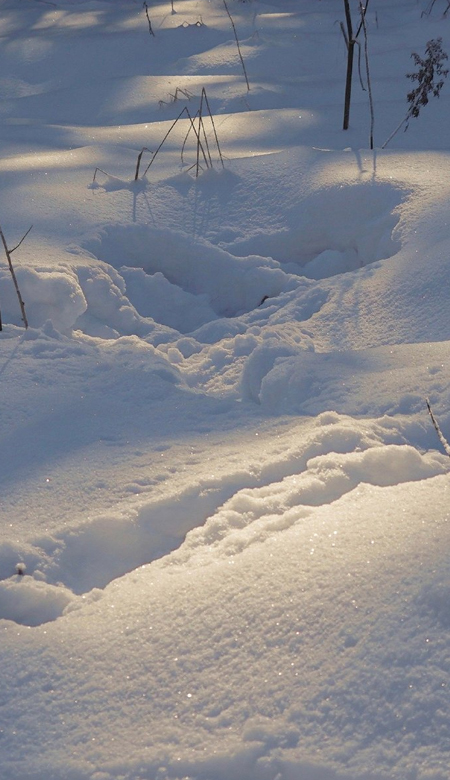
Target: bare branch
column 21, row 240
column 150, row 28
column 341, row 25
column 13, row 274
column 363, row 16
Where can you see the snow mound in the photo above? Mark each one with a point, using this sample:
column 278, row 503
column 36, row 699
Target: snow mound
column 384, row 379
column 49, row 294
column 334, row 230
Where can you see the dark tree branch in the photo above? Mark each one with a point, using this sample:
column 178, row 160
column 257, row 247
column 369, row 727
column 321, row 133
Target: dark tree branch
column 13, row 274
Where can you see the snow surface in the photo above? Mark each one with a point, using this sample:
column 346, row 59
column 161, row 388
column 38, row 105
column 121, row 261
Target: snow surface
column 224, row 507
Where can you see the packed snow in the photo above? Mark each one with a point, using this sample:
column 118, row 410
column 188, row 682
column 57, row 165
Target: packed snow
column 224, row 505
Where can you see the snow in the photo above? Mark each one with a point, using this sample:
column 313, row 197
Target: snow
column 224, row 506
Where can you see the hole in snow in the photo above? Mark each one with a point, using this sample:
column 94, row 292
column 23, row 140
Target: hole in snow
column 150, row 275
column 184, row 282
column 165, row 276
column 30, row 601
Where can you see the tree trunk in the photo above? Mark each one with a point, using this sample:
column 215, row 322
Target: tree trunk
column 350, row 54
column 348, row 84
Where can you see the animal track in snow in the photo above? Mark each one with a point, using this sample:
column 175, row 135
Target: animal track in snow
column 214, row 517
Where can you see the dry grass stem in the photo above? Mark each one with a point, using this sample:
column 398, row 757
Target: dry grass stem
column 138, row 162
column 238, row 46
column 441, row 436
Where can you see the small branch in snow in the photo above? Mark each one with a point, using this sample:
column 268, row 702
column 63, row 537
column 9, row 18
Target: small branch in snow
column 441, row 436
column 8, row 253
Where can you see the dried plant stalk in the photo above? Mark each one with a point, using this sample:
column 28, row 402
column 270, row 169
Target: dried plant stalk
column 237, row 44
column 441, row 436
column 138, row 162
column 204, row 95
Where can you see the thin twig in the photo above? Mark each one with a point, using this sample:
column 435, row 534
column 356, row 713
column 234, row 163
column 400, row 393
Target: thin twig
column 184, row 111
column 206, row 143
column 341, row 25
column 150, row 28
column 198, row 140
column 369, row 84
column 183, row 145
column 179, row 91
column 213, row 125
column 138, row 162
column 101, row 171
column 428, row 10
column 203, row 128
column 13, row 274
column 442, row 438
column 199, row 143
column 21, row 240
column 361, row 82
column 237, row 44
column 394, row 132
column 365, row 7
